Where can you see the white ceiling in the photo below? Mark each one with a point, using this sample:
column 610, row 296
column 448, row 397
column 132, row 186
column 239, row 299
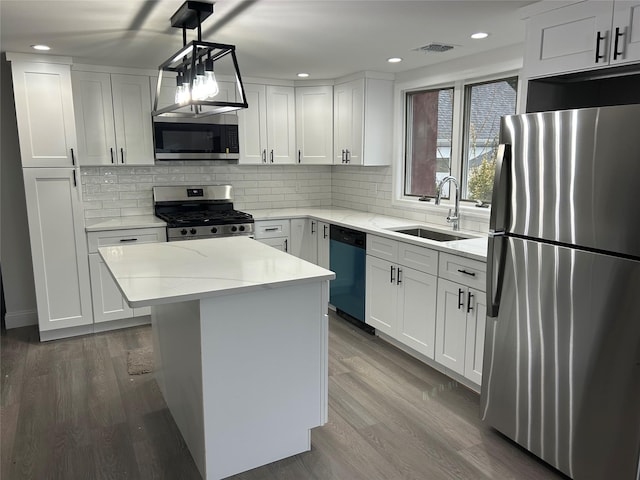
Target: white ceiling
column 273, row 38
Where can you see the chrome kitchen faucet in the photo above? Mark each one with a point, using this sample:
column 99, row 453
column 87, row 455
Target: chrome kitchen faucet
column 455, row 218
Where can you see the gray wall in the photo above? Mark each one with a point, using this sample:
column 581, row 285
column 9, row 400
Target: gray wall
column 15, row 253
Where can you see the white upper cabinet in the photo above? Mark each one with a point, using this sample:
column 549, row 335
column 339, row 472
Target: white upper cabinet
column 363, row 111
column 314, row 125
column 582, row 36
column 44, row 112
column 113, row 113
column 267, row 128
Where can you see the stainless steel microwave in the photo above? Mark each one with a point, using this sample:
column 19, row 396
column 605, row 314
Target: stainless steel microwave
column 208, row 138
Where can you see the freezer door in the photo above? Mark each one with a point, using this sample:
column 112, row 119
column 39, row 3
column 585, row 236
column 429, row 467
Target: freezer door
column 573, row 177
column 561, row 371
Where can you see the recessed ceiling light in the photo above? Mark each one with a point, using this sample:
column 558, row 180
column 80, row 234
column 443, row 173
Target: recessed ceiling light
column 41, row 47
column 303, row 75
column 479, row 35
column 394, row 60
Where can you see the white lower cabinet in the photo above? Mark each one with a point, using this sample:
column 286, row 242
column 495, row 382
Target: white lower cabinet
column 304, row 239
column 461, row 316
column 58, row 248
column 108, row 302
column 400, row 299
column 274, row 233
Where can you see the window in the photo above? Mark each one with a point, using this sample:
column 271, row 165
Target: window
column 428, row 146
column 459, row 138
column 485, row 103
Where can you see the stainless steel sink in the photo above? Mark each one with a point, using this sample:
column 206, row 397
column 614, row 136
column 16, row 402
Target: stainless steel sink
column 430, row 234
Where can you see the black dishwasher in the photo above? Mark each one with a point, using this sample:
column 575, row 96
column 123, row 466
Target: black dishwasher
column 347, row 255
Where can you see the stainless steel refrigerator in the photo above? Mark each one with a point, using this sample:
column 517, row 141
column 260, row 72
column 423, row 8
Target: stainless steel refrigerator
column 561, row 372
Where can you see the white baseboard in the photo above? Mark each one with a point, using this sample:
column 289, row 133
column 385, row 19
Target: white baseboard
column 23, row 318
column 123, row 323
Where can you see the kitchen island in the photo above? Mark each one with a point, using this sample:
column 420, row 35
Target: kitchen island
column 240, row 344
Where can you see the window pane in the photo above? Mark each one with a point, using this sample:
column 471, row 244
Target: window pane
column 485, row 104
column 429, row 126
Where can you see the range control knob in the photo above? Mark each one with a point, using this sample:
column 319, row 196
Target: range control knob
column 241, row 228
column 234, row 228
column 183, row 232
column 214, row 230
column 193, row 231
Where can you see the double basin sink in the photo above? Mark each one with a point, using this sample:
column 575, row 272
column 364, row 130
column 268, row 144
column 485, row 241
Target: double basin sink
column 429, row 234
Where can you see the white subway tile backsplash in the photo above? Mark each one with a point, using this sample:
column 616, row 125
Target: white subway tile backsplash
column 123, row 191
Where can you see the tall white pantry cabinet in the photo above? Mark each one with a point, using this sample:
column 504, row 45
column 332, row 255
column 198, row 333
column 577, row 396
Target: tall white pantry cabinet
column 48, row 148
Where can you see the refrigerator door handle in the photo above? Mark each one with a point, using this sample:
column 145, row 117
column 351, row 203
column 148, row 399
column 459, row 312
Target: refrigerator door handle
column 500, row 196
column 496, row 256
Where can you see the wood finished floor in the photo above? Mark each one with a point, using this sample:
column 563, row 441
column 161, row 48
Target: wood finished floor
column 69, row 410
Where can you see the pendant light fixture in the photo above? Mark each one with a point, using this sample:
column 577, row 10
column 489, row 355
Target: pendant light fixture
column 196, row 91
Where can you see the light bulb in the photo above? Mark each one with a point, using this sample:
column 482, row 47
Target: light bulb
column 199, row 88
column 210, row 83
column 179, row 89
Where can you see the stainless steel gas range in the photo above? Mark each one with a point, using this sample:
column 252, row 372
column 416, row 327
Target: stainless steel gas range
column 205, row 211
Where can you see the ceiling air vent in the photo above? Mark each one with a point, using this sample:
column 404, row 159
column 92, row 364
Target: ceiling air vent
column 434, row 47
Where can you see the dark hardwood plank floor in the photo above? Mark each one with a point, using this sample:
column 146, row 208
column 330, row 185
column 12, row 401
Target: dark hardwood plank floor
column 70, row 410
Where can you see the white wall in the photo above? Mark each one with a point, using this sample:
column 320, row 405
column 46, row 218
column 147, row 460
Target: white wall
column 15, row 256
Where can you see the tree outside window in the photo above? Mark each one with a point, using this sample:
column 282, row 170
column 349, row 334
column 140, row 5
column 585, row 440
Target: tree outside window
column 485, row 104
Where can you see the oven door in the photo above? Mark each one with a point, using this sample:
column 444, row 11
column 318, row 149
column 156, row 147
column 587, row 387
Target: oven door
column 181, row 140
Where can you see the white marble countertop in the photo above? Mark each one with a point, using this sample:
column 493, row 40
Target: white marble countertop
column 475, row 247
column 123, row 223
column 373, row 223
column 159, row 273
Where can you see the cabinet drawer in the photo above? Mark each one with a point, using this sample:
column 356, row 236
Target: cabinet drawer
column 107, row 238
column 419, row 258
column 382, row 247
column 271, row 228
column 463, row 270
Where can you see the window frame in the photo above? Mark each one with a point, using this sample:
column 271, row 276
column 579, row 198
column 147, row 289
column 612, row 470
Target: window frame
column 458, row 81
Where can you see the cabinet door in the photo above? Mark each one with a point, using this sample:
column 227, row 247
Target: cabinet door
column 281, row 127
column 417, row 310
column 566, row 39
column 108, row 302
column 323, row 244
column 58, row 248
column 451, row 325
column 626, row 24
column 354, row 155
column 476, row 323
column 342, row 126
column 381, row 296
column 252, row 125
column 94, row 117
column 281, row 243
column 304, row 239
column 132, row 117
column 44, row 113
column 314, row 125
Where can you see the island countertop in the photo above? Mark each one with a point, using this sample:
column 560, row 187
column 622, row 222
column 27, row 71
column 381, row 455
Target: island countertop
column 161, row 273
